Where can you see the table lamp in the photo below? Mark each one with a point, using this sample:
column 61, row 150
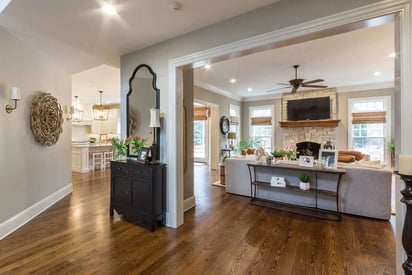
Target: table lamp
column 231, row 136
column 154, row 123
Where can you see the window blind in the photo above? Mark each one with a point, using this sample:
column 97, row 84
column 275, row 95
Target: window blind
column 201, row 113
column 262, row 120
column 234, row 120
column 368, row 117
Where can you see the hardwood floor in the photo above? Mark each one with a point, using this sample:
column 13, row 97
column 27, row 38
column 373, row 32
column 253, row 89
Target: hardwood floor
column 224, row 234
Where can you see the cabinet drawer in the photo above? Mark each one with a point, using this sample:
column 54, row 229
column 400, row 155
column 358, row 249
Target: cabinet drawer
column 120, row 169
column 140, row 171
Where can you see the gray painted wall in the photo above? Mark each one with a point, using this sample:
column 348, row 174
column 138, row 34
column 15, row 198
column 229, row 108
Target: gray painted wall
column 29, row 172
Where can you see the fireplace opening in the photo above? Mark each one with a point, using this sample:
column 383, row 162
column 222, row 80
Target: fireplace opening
column 308, row 148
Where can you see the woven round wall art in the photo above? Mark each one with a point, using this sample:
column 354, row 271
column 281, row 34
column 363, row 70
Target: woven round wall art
column 46, row 119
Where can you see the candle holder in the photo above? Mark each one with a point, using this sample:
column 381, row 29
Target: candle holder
column 407, row 227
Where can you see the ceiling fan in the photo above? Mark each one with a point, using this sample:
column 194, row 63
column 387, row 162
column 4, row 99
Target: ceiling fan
column 296, row 83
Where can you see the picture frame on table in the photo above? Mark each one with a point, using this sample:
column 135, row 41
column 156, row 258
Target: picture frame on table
column 143, row 154
column 328, row 158
column 306, row 161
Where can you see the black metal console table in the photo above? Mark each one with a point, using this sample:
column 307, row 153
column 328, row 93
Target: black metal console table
column 288, row 170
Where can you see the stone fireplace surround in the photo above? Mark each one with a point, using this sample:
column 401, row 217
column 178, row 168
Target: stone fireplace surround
column 293, row 135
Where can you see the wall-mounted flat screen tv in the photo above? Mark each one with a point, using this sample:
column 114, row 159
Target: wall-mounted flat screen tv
column 309, row 109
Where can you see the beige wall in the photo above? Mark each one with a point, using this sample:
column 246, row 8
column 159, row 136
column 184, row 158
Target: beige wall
column 222, row 102
column 188, row 175
column 29, row 172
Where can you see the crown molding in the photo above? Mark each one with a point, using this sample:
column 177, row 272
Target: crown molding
column 215, row 89
column 366, row 87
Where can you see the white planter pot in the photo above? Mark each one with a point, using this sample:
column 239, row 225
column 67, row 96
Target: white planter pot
column 304, row 185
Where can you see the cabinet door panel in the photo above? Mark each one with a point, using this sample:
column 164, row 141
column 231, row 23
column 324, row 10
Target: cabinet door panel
column 122, row 188
column 142, row 198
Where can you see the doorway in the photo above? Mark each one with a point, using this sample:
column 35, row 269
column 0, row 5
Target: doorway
column 201, row 133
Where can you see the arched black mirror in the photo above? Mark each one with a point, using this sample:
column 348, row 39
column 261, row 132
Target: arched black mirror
column 143, row 95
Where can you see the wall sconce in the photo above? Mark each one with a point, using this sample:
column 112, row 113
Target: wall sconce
column 14, row 95
column 154, row 123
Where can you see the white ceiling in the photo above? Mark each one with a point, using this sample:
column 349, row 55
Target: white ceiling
column 79, row 36
column 344, row 60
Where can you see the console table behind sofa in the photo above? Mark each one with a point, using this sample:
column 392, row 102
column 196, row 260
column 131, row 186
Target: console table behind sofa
column 363, row 191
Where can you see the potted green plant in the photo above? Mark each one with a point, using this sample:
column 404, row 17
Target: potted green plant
column 391, row 147
column 304, row 182
column 120, row 148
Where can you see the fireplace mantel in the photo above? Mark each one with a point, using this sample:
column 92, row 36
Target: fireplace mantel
column 310, row 123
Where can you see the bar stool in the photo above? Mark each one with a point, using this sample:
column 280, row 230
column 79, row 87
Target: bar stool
column 97, row 159
column 107, row 157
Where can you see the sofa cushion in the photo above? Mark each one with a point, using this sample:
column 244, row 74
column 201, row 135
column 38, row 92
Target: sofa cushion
column 346, row 158
column 358, row 155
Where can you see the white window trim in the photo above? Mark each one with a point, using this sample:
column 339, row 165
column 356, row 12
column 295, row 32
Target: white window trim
column 272, row 108
column 239, row 126
column 387, row 108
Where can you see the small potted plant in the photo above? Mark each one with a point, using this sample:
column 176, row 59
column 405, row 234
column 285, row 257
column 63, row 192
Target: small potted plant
column 304, row 182
column 277, row 154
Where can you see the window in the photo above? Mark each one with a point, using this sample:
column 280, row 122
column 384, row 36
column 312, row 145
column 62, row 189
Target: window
column 261, row 128
column 369, row 121
column 201, row 114
column 234, row 115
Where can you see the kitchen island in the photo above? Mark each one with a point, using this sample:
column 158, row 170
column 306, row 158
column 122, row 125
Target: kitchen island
column 82, row 154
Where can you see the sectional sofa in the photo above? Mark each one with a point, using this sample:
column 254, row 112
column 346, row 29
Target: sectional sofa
column 364, row 191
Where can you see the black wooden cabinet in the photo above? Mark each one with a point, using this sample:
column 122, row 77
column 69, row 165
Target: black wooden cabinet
column 137, row 192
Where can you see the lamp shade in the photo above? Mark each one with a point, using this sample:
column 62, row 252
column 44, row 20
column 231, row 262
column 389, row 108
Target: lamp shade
column 154, row 118
column 231, row 135
column 15, row 93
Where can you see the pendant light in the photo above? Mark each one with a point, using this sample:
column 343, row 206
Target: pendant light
column 100, row 112
column 77, row 114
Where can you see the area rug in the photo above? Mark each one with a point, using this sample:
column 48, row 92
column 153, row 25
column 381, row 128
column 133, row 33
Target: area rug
column 217, row 183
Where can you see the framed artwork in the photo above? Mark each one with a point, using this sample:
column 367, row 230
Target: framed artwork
column 103, row 137
column 306, row 161
column 143, row 154
column 328, row 158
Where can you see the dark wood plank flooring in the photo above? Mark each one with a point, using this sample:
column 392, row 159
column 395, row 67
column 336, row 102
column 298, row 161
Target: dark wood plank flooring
column 224, row 234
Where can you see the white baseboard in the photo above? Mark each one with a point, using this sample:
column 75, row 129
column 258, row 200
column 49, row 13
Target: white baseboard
column 26, row 215
column 189, row 203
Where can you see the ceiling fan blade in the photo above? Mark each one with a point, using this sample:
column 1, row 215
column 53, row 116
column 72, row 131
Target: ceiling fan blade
column 315, row 86
column 294, row 90
column 288, row 84
column 313, row 81
column 273, row 90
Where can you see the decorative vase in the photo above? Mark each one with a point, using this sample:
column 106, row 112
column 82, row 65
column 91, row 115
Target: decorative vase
column 268, row 161
column 119, row 155
column 304, row 185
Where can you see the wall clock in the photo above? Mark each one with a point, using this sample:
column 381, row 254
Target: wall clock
column 224, row 125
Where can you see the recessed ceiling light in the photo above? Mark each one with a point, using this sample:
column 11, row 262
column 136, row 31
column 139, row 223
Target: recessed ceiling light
column 376, row 73
column 249, row 89
column 207, row 66
column 392, row 55
column 109, row 9
column 232, row 80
